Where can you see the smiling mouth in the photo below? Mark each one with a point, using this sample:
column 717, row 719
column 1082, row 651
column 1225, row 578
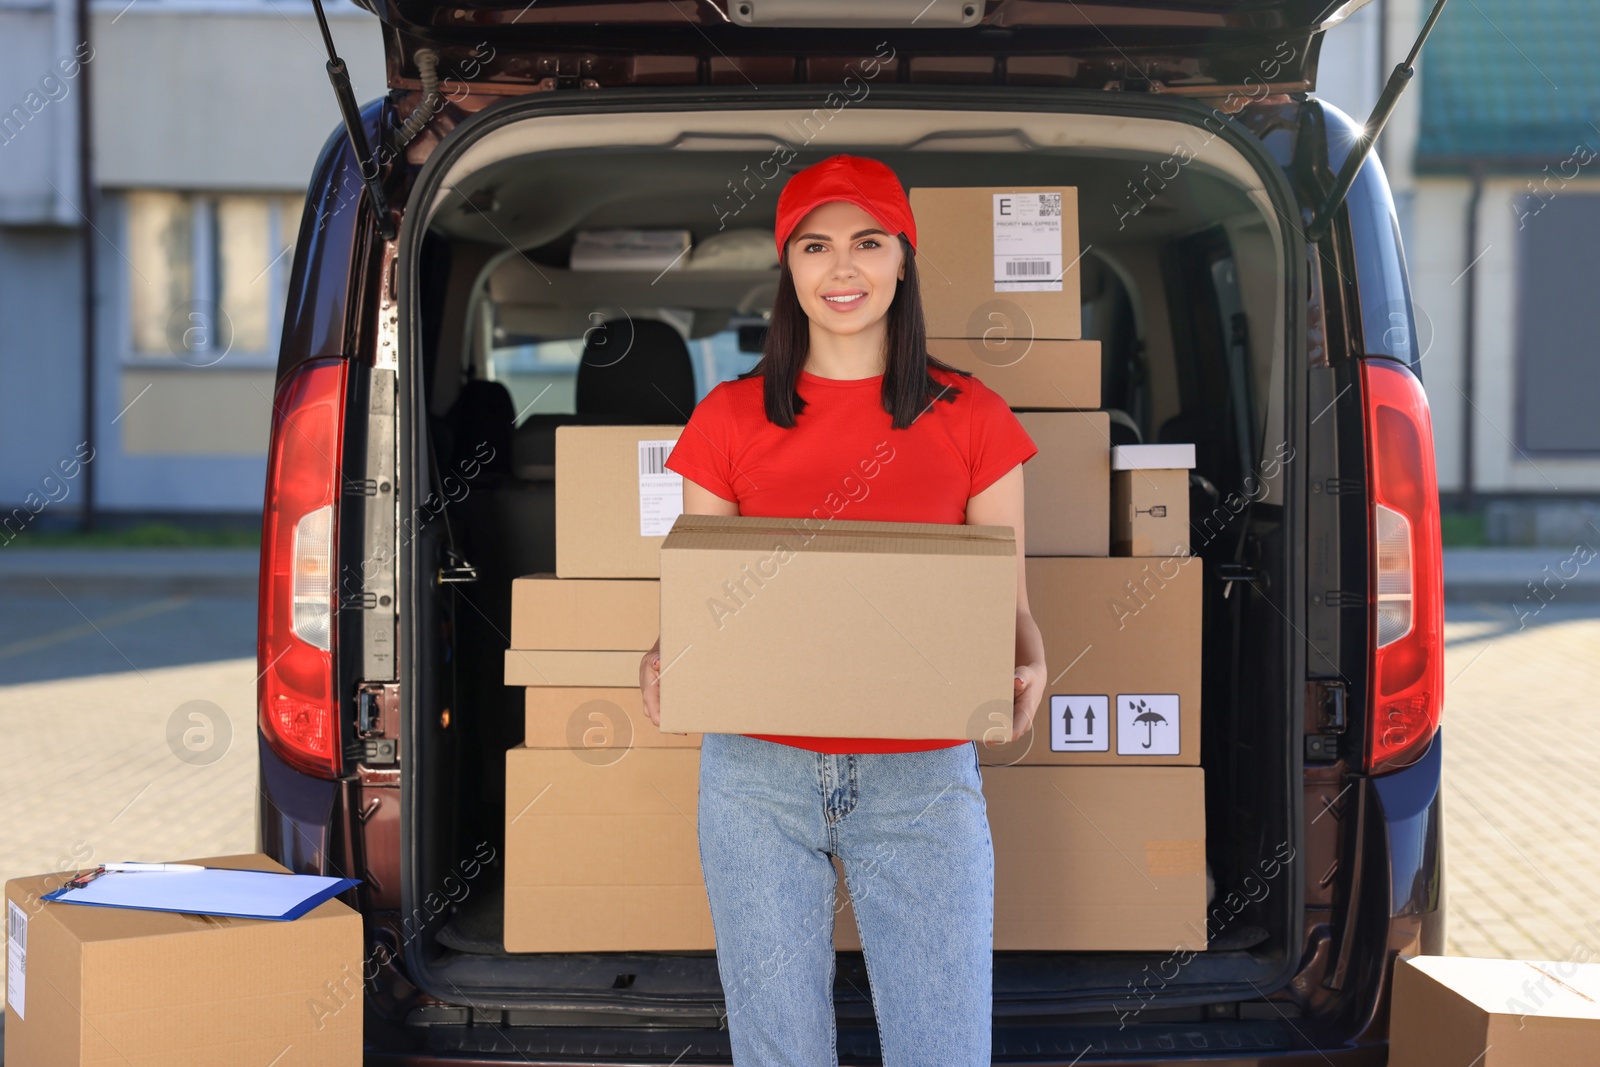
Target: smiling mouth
column 845, row 301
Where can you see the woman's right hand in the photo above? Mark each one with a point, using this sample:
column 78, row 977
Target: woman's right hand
column 650, row 683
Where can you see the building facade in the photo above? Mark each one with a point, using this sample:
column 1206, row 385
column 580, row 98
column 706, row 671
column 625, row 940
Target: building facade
column 205, row 117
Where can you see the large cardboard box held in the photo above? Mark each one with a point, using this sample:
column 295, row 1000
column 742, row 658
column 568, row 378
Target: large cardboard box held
column 999, row 259
column 1066, row 487
column 1091, row 859
column 602, row 855
column 580, row 614
column 1453, row 1010
column 1122, row 650
column 615, row 500
column 115, row 986
column 594, row 718
column 836, row 627
column 1044, row 375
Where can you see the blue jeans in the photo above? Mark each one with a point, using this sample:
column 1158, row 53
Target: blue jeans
column 911, row 830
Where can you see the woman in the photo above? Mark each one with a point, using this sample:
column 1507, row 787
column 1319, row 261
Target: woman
column 847, row 415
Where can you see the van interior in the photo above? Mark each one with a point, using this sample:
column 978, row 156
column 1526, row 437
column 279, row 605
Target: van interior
column 1184, row 281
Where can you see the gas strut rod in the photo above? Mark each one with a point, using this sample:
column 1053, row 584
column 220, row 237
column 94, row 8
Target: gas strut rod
column 340, row 77
column 1387, row 99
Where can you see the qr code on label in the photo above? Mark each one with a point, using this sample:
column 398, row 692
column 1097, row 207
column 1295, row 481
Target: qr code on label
column 1049, row 204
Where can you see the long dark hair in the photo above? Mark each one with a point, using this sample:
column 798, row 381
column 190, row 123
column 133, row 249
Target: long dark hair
column 908, row 388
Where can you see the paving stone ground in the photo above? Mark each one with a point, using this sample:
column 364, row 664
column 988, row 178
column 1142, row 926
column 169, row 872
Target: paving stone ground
column 127, row 730
column 1522, row 781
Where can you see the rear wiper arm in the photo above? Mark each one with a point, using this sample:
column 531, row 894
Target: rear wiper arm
column 340, row 77
column 1387, row 99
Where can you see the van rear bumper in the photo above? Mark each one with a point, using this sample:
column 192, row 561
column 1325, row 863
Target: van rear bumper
column 1219, row 1043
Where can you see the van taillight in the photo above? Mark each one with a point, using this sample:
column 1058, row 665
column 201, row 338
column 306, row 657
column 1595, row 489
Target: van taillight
column 298, row 709
column 1407, row 587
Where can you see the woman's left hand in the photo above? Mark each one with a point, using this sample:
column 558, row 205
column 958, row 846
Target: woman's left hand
column 1027, row 687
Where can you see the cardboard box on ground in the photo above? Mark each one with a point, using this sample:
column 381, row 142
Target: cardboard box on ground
column 99, row 985
column 1453, row 1010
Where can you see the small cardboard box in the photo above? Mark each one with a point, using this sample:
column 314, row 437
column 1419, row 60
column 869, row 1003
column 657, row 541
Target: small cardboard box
column 1122, row 650
column 1451, row 1010
column 1002, row 258
column 594, row 718
column 615, row 499
column 95, row 985
column 1091, row 859
column 582, row 614
column 541, row 667
column 1150, row 499
column 603, row 855
column 839, row 627
column 1046, row 375
column 1066, row 487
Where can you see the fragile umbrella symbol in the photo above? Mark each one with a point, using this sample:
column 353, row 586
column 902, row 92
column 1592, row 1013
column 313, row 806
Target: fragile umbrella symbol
column 1149, row 718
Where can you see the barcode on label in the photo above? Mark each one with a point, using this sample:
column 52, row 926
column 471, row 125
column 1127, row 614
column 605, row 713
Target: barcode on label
column 17, row 959
column 1049, row 204
column 653, row 456
column 1031, row 268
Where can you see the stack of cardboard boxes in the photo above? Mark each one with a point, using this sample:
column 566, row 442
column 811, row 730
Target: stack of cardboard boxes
column 601, row 848
column 1097, row 815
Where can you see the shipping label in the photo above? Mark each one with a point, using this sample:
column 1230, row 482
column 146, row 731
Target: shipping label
column 660, row 490
column 16, row 958
column 1027, row 243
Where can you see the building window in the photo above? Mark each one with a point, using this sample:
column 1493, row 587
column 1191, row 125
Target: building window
column 1557, row 375
column 208, row 274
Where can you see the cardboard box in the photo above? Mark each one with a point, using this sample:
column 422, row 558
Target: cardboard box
column 1122, row 649
column 615, row 500
column 1150, row 499
column 582, row 614
column 999, row 259
column 595, row 719
column 604, row 856
column 1047, row 375
column 1091, row 859
column 118, row 986
column 1451, row 1010
column 559, row 667
column 1066, row 490
column 845, row 628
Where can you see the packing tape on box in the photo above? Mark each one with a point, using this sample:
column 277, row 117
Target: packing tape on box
column 1171, row 859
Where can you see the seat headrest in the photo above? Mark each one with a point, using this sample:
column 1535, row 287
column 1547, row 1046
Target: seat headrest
column 482, row 414
column 638, row 369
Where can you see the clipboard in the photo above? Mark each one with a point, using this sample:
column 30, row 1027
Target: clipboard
column 213, row 891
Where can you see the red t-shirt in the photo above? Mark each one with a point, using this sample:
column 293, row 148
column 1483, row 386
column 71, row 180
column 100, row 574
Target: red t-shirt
column 843, row 459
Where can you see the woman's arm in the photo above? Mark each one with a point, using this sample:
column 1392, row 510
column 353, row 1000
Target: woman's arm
column 1001, row 505
column 697, row 500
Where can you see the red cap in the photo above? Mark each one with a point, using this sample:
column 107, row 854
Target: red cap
column 866, row 183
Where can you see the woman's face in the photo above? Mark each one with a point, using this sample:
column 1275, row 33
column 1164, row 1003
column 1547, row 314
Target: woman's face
column 845, row 267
